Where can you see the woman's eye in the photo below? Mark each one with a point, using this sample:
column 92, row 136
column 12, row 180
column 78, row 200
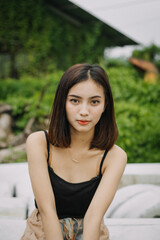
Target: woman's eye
column 95, row 102
column 74, row 100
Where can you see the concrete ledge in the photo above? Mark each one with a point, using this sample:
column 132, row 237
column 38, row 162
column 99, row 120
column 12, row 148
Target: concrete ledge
column 6, row 190
column 131, row 229
column 144, row 173
column 124, row 229
column 17, row 176
column 13, row 208
column 11, row 229
column 135, row 201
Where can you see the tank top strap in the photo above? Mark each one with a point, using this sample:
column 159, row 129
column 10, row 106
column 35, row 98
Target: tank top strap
column 101, row 164
column 47, row 144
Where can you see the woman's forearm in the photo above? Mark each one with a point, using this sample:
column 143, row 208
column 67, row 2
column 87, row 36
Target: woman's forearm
column 91, row 229
column 52, row 228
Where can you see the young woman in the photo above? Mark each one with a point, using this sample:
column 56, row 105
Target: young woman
column 75, row 167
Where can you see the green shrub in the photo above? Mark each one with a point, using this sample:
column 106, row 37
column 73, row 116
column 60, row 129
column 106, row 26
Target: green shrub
column 24, row 95
column 137, row 110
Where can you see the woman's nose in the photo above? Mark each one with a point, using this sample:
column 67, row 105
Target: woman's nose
column 84, row 110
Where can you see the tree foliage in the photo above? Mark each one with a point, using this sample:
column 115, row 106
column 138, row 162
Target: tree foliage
column 137, row 112
column 38, row 40
column 25, row 27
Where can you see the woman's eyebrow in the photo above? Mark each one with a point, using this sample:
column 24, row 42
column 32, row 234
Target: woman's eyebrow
column 96, row 96
column 72, row 95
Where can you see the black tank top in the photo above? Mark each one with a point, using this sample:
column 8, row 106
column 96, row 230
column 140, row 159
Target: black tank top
column 72, row 199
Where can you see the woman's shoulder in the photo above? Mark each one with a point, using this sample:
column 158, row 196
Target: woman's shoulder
column 36, row 145
column 116, row 154
column 38, row 135
column 118, row 151
column 116, row 158
column 36, row 139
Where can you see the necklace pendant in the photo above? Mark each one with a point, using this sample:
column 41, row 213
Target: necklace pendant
column 74, row 160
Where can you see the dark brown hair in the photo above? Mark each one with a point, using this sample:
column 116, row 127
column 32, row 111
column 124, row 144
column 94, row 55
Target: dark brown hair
column 106, row 132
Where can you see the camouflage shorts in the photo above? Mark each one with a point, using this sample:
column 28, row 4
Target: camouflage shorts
column 72, row 228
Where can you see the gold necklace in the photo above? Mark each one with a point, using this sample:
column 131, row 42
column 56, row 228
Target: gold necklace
column 75, row 160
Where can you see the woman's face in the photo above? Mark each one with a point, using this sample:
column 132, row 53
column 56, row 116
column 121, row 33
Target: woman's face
column 84, row 105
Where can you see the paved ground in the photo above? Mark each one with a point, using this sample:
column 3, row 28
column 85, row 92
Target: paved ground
column 133, row 229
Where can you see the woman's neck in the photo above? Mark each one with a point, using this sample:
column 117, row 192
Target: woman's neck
column 81, row 140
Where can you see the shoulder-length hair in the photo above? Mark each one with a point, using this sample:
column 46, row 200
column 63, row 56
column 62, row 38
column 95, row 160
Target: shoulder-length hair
column 106, row 132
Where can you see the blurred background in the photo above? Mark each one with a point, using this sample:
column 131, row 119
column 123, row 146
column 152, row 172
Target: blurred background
column 39, row 40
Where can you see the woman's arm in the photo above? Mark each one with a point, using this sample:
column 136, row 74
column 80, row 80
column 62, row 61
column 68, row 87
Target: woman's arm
column 38, row 170
column 113, row 166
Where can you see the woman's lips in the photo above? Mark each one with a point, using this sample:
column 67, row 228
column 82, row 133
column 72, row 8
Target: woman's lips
column 83, row 122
